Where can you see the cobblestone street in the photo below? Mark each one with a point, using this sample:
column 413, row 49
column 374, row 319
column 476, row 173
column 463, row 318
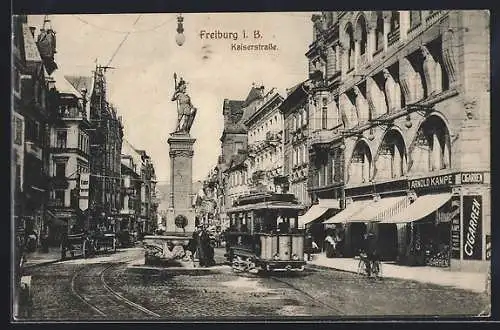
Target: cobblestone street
column 118, row 287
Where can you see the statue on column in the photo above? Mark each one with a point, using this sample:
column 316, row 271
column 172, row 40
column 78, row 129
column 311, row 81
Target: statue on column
column 186, row 112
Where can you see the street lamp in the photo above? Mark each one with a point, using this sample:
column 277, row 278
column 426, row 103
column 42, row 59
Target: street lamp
column 180, row 38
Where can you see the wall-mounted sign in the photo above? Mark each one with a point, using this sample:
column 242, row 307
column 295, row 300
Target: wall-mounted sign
column 439, row 181
column 84, row 184
column 472, row 231
column 455, row 227
column 488, row 247
column 470, row 178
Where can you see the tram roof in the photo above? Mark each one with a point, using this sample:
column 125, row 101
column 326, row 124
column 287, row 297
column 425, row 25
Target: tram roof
column 272, row 205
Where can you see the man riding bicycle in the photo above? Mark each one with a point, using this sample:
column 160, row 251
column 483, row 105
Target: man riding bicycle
column 370, row 249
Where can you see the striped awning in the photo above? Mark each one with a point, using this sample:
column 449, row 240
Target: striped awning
column 378, row 209
column 419, row 209
column 344, row 215
column 317, row 210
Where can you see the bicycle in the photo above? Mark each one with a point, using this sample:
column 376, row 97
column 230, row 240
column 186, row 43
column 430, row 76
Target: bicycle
column 365, row 262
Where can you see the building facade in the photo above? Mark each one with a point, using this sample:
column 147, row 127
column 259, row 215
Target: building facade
column 131, row 190
column 69, row 158
column 295, row 109
column 33, row 59
column 407, row 93
column 231, row 167
column 265, row 144
column 106, row 136
column 149, row 202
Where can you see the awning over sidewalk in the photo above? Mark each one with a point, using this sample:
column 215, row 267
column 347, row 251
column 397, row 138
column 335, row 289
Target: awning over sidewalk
column 55, row 220
column 344, row 215
column 374, row 211
column 318, row 210
column 419, row 209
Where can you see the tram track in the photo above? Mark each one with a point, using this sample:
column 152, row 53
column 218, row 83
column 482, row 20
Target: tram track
column 313, row 299
column 89, row 285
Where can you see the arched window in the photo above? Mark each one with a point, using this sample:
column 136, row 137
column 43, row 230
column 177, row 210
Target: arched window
column 360, row 168
column 415, row 18
column 379, row 32
column 431, row 147
column 362, row 34
column 394, row 20
column 350, row 45
column 391, row 157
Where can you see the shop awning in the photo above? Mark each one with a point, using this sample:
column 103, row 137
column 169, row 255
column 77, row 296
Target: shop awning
column 420, row 208
column 374, row 211
column 318, row 210
column 55, row 220
column 344, row 215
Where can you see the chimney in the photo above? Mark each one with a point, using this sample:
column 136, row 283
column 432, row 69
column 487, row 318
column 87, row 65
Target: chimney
column 32, row 30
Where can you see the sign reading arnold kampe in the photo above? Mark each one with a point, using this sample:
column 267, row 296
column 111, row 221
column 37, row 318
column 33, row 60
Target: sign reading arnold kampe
column 472, row 231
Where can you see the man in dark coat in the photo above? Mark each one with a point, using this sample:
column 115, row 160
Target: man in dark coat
column 206, row 255
column 370, row 248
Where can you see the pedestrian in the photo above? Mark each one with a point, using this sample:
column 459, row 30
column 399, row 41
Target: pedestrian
column 193, row 246
column 370, row 248
column 25, row 301
column 308, row 246
column 330, row 246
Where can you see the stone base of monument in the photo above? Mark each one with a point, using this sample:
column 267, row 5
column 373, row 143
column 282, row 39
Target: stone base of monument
column 167, row 250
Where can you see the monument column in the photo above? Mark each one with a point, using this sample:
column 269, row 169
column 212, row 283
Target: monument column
column 181, row 215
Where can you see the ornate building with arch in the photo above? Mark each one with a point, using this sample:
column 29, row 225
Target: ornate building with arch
column 400, row 119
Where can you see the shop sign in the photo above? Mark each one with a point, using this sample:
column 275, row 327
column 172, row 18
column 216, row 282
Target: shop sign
column 470, row 178
column 472, row 231
column 84, row 184
column 488, row 247
column 455, row 227
column 432, row 182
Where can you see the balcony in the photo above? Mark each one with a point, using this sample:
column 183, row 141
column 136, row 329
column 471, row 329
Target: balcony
column 323, row 136
column 362, row 61
column 393, row 36
column 433, row 16
column 71, row 112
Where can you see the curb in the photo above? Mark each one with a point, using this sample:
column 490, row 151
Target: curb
column 330, row 268
column 392, row 277
column 43, row 263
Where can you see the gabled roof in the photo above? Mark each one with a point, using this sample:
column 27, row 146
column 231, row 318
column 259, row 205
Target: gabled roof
column 297, row 94
column 254, row 94
column 63, row 86
column 30, row 49
column 80, row 82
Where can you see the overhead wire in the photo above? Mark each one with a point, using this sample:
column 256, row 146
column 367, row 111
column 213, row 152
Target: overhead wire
column 121, row 31
column 123, row 41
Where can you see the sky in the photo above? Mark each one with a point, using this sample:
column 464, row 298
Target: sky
column 142, row 84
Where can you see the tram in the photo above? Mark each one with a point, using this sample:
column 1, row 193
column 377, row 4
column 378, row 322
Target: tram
column 264, row 234
column 87, row 245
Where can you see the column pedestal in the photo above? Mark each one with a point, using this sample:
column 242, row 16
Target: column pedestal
column 181, row 214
